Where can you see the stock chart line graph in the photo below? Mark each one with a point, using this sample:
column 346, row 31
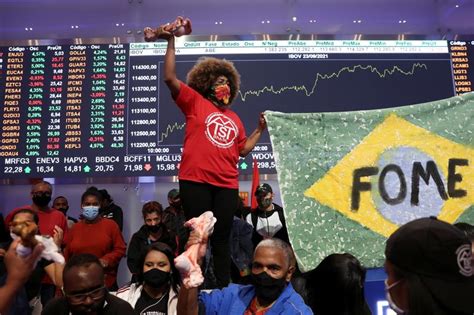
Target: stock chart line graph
column 334, row 75
column 170, row 128
column 329, row 85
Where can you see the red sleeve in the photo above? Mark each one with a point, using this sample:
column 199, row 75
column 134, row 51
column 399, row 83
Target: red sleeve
column 118, row 246
column 187, row 99
column 67, row 241
column 65, row 228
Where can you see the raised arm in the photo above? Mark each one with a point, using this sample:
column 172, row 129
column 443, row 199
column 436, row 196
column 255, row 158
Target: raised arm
column 19, row 270
column 170, row 67
column 254, row 137
column 188, row 301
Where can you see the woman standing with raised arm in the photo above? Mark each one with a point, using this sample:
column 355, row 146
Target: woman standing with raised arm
column 214, row 140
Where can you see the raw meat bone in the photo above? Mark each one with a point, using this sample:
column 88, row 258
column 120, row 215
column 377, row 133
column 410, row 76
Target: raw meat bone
column 188, row 262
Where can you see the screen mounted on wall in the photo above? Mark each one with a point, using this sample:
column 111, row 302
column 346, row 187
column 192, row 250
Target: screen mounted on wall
column 103, row 110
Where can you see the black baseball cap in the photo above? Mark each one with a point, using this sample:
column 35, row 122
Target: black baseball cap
column 440, row 254
column 173, row 194
column 263, row 189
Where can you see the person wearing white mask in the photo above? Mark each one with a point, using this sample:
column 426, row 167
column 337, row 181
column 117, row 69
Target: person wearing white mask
column 96, row 235
column 428, row 265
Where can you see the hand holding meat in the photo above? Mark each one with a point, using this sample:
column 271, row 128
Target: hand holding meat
column 188, row 262
column 27, row 232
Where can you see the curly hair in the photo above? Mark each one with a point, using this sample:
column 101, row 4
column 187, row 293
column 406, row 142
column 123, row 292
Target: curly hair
column 204, row 73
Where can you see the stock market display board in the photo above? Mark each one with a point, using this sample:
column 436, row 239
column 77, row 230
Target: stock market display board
column 103, row 110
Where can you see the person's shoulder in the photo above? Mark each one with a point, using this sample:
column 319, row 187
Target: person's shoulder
column 56, row 213
column 231, row 289
column 109, row 223
column 116, row 305
column 295, row 303
column 142, row 233
column 126, row 289
column 186, row 90
column 56, row 306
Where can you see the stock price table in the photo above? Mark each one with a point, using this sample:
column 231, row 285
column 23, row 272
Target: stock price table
column 103, row 110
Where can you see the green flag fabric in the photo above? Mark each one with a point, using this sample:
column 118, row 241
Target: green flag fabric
column 349, row 179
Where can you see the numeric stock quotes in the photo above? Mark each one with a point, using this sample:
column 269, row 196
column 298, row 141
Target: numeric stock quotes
column 102, row 110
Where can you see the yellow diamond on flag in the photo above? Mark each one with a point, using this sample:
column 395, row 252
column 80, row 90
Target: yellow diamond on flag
column 399, row 172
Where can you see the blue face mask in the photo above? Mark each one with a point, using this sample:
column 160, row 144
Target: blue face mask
column 90, row 212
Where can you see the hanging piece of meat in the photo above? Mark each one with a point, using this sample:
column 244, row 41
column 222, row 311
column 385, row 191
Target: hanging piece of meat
column 188, row 262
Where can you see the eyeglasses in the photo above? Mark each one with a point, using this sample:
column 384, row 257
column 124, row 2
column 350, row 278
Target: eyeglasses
column 95, row 294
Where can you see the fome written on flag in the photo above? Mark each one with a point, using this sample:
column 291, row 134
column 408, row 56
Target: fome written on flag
column 349, row 179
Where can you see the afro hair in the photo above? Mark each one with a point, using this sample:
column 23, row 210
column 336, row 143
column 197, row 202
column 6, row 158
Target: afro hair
column 205, row 72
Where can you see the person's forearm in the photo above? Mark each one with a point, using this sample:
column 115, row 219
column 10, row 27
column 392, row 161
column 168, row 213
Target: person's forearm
column 251, row 142
column 170, row 61
column 7, row 294
column 188, row 301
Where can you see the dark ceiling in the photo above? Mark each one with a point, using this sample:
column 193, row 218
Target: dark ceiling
column 66, row 19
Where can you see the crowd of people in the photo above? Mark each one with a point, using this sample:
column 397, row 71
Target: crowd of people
column 428, row 265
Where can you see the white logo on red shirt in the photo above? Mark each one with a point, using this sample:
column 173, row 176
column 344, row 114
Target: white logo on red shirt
column 221, row 130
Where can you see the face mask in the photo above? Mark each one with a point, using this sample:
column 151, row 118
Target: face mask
column 392, row 304
column 41, row 200
column 265, row 203
column 153, row 228
column 220, row 95
column 268, row 288
column 176, row 204
column 63, row 210
column 90, row 212
column 156, row 278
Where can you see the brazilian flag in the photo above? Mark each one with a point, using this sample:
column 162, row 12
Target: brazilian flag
column 349, row 179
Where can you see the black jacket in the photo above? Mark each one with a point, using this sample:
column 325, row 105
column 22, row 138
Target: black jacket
column 114, row 212
column 140, row 241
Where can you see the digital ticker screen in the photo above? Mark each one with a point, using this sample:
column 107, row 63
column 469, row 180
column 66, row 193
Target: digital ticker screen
column 104, row 110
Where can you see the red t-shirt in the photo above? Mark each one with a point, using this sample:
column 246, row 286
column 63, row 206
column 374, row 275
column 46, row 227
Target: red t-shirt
column 252, row 309
column 102, row 239
column 213, row 139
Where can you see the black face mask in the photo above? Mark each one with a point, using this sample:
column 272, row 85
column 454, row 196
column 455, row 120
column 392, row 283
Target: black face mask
column 153, row 228
column 156, row 278
column 268, row 288
column 63, row 210
column 41, row 200
column 176, row 204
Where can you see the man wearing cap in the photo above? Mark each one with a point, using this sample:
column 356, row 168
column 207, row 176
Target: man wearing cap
column 174, row 218
column 267, row 219
column 428, row 265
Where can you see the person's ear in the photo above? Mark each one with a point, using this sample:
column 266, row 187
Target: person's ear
column 290, row 273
